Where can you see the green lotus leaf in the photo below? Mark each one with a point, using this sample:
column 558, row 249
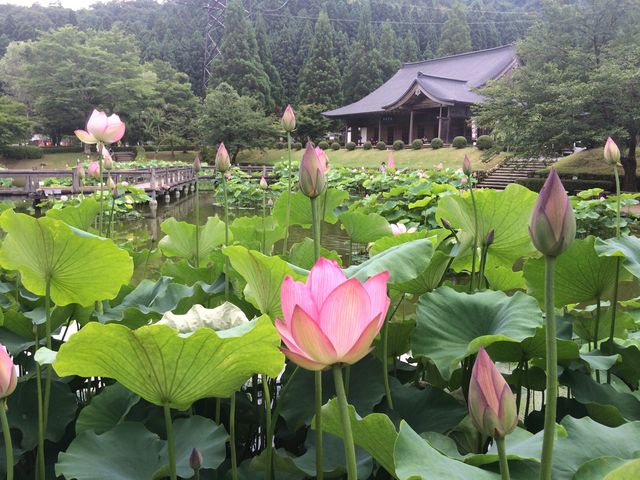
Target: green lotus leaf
column 80, row 216
column 404, row 262
column 580, row 274
column 505, row 212
column 505, row 279
column 429, row 279
column 300, row 213
column 385, row 243
column 627, row 247
column 520, row 445
column 183, row 272
column 415, row 458
column 364, row 227
column 609, row 468
column 166, row 368
column 106, row 410
column 82, row 268
column 222, row 317
column 180, row 239
column 264, row 276
column 303, row 256
column 252, row 232
column 452, row 325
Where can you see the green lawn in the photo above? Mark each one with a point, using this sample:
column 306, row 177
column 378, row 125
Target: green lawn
column 587, row 161
column 425, row 158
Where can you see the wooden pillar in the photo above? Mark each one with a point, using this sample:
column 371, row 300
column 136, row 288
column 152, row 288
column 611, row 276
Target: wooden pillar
column 75, row 182
column 411, row 127
column 440, row 124
column 380, row 128
column 448, row 125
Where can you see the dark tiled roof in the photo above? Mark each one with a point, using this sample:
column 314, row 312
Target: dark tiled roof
column 447, row 80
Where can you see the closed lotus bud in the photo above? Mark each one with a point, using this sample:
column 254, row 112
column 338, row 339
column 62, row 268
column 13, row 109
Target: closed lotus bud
column 8, row 375
column 312, row 179
column 270, row 202
column 195, row 460
column 197, row 166
column 288, row 120
column 222, row 159
column 263, row 183
column 446, row 224
column 112, row 186
column 492, row 406
column 94, row 169
column 490, row 238
column 80, row 171
column 553, row 224
column 466, row 166
column 611, row 152
column 107, row 161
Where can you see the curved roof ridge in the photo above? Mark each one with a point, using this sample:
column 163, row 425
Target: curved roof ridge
column 410, row 64
column 421, row 74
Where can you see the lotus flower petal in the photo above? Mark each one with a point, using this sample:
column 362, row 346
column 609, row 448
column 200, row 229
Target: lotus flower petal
column 296, row 293
column 304, row 361
column 325, row 276
column 311, row 339
column 363, row 344
column 85, row 137
column 376, row 288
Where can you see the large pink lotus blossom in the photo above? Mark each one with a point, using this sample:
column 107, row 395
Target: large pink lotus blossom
column 102, row 129
column 400, row 228
column 94, row 169
column 331, row 319
column 8, row 375
column 492, row 407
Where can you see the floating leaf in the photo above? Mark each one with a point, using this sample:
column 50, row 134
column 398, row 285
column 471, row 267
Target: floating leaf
column 385, row 243
column 302, row 254
column 364, row 227
column 166, row 368
column 429, row 279
column 180, row 239
column 452, row 325
column 82, row 268
column 609, row 468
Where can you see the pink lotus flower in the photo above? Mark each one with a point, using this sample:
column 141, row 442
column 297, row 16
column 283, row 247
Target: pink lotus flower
column 553, row 224
column 8, row 375
column 288, row 120
column 102, row 129
column 197, row 165
column 439, row 166
column 94, row 169
column 464, row 180
column 391, row 163
column 611, row 152
column 331, row 319
column 492, row 407
column 222, row 161
column 313, row 168
column 400, row 228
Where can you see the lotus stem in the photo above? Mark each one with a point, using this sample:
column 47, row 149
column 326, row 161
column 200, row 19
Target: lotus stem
column 217, row 411
column 502, row 454
column 113, row 207
column 475, row 235
column 597, row 331
column 349, row 447
column 47, row 388
column 170, row 443
column 318, row 403
column 617, row 177
column 101, row 180
column 385, row 354
column 614, row 300
column 197, row 200
column 266, row 400
column 552, row 371
column 315, row 221
column 8, row 446
column 40, row 467
column 226, row 237
column 288, row 211
column 264, row 217
column 232, row 437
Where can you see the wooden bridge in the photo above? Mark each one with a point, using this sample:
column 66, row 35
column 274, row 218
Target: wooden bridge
column 156, row 181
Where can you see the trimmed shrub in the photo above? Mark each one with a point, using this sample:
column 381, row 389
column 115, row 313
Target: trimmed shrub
column 335, row 146
column 416, row 144
column 352, row 146
column 367, row 145
column 281, row 145
column 398, row 145
column 323, row 144
column 381, row 145
column 437, row 143
column 459, row 142
column 21, row 153
column 296, row 145
column 572, row 186
column 484, row 142
column 70, row 149
column 140, row 151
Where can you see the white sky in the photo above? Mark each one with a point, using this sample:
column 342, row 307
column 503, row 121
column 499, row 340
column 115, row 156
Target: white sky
column 75, row 4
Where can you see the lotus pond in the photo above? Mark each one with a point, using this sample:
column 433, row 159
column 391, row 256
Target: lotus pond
column 210, row 342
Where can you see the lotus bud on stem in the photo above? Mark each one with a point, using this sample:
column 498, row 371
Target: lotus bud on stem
column 288, row 122
column 195, row 462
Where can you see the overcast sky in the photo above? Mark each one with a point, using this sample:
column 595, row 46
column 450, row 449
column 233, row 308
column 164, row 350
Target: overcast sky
column 75, row 4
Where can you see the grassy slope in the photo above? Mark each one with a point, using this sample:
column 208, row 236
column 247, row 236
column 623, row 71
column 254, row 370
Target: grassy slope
column 587, row 161
column 425, row 158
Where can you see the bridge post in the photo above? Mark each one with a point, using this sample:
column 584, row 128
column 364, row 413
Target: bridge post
column 152, row 182
column 75, row 181
column 153, row 207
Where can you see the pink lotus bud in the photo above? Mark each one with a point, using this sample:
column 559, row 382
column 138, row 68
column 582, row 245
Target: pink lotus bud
column 80, row 171
column 464, row 180
column 490, row 238
column 94, row 169
column 222, row 161
column 111, row 185
column 331, row 319
column 107, row 161
column 197, row 166
column 227, row 175
column 446, row 224
column 195, row 460
column 492, row 406
column 8, row 375
column 611, row 152
column 553, row 224
column 391, row 163
column 288, row 120
column 439, row 166
column 466, row 166
column 398, row 228
column 263, row 183
column 270, row 202
column 313, row 180
column 102, row 129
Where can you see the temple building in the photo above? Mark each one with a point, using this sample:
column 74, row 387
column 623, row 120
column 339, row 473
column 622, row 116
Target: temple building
column 427, row 99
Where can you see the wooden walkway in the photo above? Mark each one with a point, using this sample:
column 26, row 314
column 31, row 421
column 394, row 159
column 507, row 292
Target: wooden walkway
column 156, row 181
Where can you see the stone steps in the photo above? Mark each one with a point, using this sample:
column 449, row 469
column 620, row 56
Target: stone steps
column 512, row 170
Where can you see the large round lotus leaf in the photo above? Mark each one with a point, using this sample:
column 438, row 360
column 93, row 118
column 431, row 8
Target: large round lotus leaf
column 505, row 212
column 83, row 268
column 300, row 213
column 609, row 468
column 452, row 325
column 256, row 232
column 580, row 274
column 627, row 247
column 363, row 227
column 180, row 239
column 166, row 368
column 415, row 458
column 106, row 410
column 79, row 216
